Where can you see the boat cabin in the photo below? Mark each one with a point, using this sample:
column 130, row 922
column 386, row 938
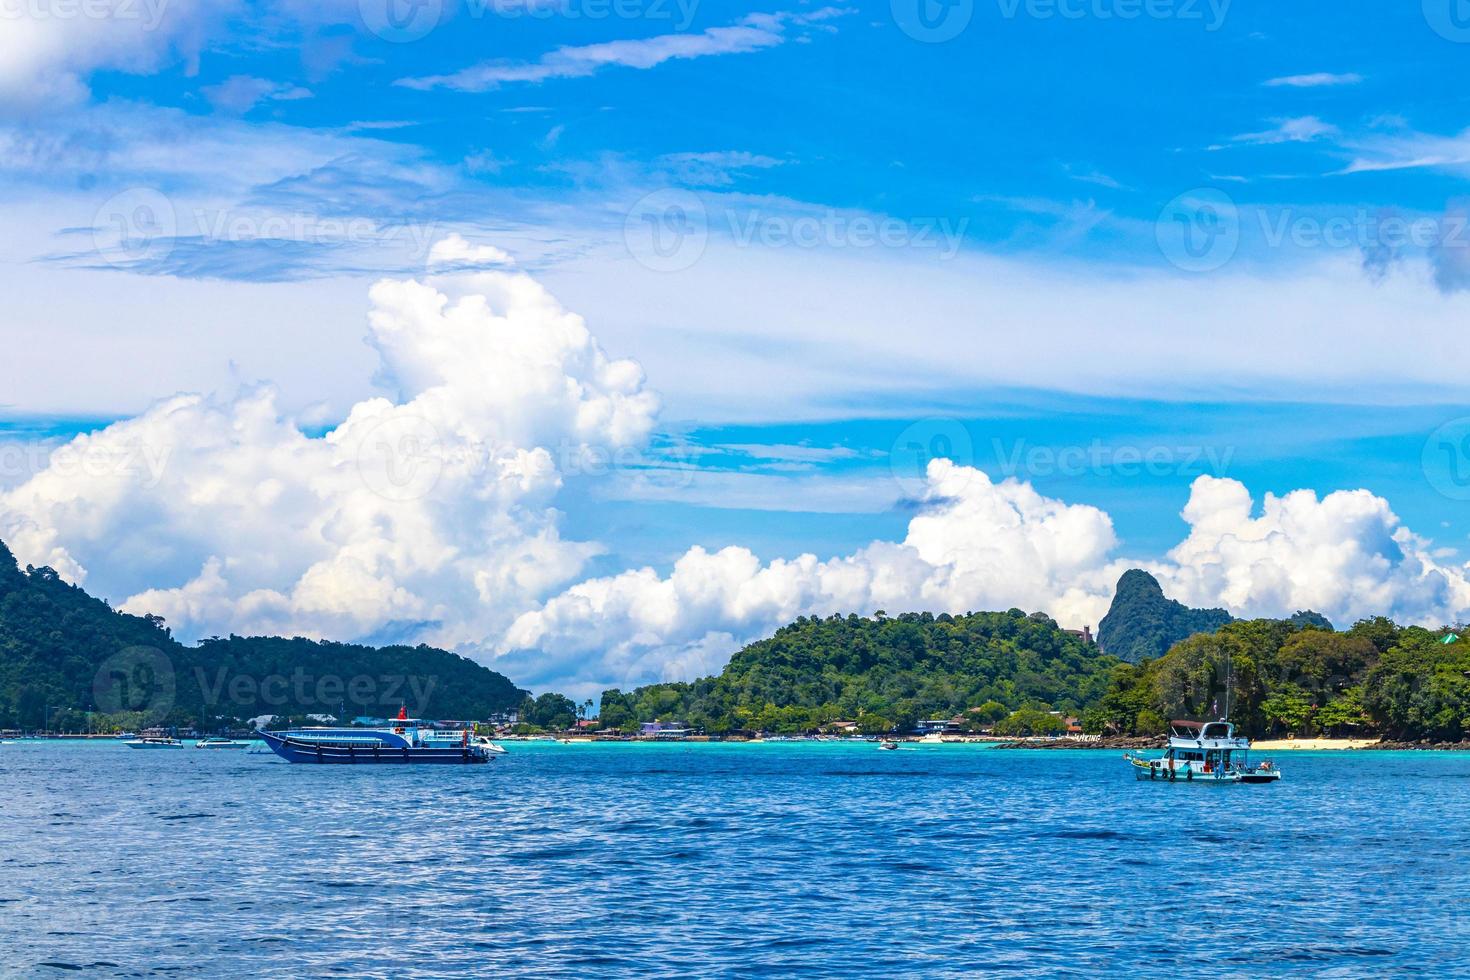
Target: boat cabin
column 1208, row 747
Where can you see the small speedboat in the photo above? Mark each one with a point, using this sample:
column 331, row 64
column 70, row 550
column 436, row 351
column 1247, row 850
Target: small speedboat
column 1204, row 752
column 154, row 742
column 888, row 744
column 221, row 743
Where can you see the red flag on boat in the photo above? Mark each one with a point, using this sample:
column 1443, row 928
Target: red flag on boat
column 403, row 712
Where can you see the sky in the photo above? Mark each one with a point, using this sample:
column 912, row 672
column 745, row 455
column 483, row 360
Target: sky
column 596, row 338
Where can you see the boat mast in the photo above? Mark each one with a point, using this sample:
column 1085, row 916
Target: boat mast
column 1229, row 682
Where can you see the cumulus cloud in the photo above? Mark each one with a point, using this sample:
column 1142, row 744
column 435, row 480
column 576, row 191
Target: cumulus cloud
column 1346, row 555
column 431, row 508
column 984, row 545
column 431, row 515
column 976, row 545
column 454, row 252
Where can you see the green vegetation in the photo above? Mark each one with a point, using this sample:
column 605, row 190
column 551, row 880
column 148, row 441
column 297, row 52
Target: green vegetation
column 71, row 661
column 1292, row 676
column 1142, row 624
column 884, row 673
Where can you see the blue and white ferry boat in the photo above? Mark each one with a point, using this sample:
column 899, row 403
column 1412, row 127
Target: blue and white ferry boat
column 406, row 741
column 1204, row 752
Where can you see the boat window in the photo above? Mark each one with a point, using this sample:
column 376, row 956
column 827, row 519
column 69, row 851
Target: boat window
column 1218, row 730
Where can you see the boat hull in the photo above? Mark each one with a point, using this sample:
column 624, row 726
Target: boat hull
column 293, row 750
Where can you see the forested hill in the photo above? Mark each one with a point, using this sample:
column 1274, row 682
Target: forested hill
column 883, row 673
column 1296, row 676
column 1142, row 623
column 64, row 653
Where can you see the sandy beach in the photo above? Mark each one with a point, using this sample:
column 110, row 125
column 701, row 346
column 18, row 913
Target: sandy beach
column 1303, row 744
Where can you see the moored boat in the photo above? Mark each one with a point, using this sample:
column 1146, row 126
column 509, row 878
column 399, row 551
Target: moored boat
column 1204, row 752
column 154, row 742
column 407, row 741
column 221, row 743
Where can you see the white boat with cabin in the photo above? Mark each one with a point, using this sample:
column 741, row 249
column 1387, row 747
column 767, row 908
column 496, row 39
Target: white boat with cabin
column 1204, row 752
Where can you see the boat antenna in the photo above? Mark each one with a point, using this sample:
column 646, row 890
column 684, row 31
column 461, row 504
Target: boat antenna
column 1229, row 684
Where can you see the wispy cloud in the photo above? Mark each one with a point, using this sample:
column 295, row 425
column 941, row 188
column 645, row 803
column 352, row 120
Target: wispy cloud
column 1320, row 79
column 238, row 94
column 1410, row 151
column 717, row 169
column 1301, row 129
column 754, row 32
column 1094, row 176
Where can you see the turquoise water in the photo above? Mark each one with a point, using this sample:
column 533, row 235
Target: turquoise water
column 788, row 859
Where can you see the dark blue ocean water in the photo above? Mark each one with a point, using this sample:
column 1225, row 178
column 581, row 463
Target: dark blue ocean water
column 713, row 860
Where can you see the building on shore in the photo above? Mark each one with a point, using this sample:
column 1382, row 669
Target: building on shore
column 664, row 730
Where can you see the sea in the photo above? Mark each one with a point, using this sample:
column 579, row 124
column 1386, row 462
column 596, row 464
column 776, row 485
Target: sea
column 800, row 859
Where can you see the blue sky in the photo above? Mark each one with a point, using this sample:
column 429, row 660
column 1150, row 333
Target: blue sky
column 1044, row 238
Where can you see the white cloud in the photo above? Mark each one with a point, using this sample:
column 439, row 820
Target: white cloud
column 1301, row 129
column 48, row 51
column 431, row 515
column 432, row 509
column 753, row 32
column 239, row 94
column 1319, row 79
column 977, row 545
column 1403, row 149
column 982, row 545
column 716, row 169
column 1346, row 555
column 454, row 252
